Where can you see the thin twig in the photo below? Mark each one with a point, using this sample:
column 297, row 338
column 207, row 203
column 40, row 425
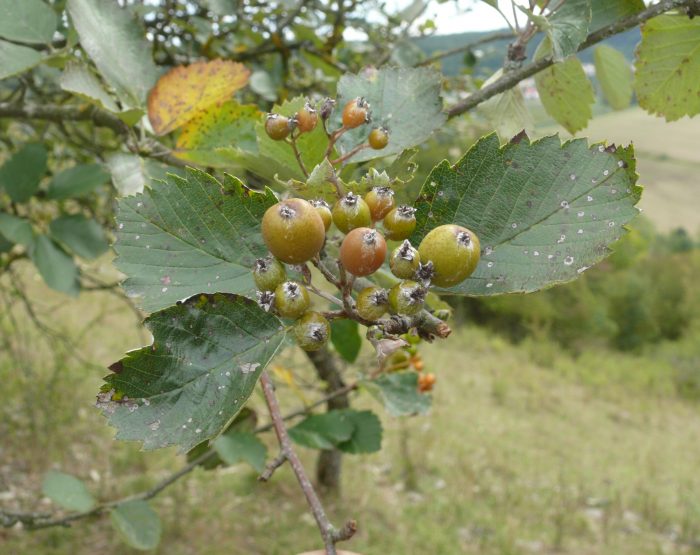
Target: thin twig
column 465, row 48
column 329, row 534
column 293, row 143
column 350, row 154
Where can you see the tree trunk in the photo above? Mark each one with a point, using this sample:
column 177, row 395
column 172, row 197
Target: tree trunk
column 329, row 463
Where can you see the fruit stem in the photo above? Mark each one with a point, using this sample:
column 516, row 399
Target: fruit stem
column 292, row 141
column 350, row 154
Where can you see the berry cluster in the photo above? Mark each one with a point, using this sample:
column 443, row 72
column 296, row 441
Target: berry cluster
column 296, row 232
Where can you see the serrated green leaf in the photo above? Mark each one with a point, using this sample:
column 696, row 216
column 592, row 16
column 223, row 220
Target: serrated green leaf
column 614, row 75
column 345, row 336
column 238, row 447
column 366, row 435
column 544, row 211
column 565, row 92
column 506, row 111
column 130, row 172
column 16, row 59
column 79, row 79
column 31, row 21
column 323, row 431
column 21, row 174
column 245, row 421
column 117, row 45
column 17, row 230
column 190, row 235
column 605, row 12
column 205, row 360
column 404, row 100
column 667, row 80
column 137, row 524
column 222, row 125
column 67, row 491
column 568, row 27
column 403, row 168
column 82, row 236
column 55, row 266
column 399, row 393
column 77, row 181
column 277, row 157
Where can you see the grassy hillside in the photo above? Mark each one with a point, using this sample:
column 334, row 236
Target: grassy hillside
column 527, row 450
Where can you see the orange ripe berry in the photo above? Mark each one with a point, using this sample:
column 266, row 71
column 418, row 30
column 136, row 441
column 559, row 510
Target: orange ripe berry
column 356, row 113
column 363, row 251
column 426, row 382
column 306, row 118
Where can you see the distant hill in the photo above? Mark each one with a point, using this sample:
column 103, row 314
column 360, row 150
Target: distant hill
column 494, row 53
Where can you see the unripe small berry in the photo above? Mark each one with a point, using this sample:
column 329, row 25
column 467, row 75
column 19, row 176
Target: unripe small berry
column 277, row 127
column 400, row 222
column 324, row 210
column 291, row 299
column 404, row 261
column 307, row 118
column 268, row 273
column 372, row 303
column 312, row 331
column 356, row 113
column 397, row 361
column 293, row 231
column 351, row 212
column 378, row 138
column 454, row 252
column 363, row 251
column 407, row 298
column 380, row 201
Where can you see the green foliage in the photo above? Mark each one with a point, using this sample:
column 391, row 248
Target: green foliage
column 350, row 431
column 544, row 212
column 565, row 91
column 82, row 236
column 77, row 181
column 667, row 80
column 404, row 100
column 16, row 59
column 614, row 75
column 567, row 27
column 506, row 112
column 116, row 45
column 137, row 524
column 238, row 447
column 398, row 391
column 16, row 230
column 606, row 12
column 205, row 360
column 67, row 491
column 345, row 336
column 31, row 21
column 190, row 235
column 55, row 266
column 21, row 174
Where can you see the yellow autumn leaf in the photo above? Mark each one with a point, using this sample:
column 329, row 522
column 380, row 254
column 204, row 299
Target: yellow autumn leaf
column 186, row 90
column 287, row 376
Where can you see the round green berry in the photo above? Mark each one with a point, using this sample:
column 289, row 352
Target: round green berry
column 372, row 303
column 404, row 261
column 291, row 299
column 454, row 252
column 407, row 298
column 351, row 212
column 268, row 273
column 400, row 222
column 293, row 231
column 312, row 331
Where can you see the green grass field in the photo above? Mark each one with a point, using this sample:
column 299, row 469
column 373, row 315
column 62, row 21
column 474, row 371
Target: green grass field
column 527, row 450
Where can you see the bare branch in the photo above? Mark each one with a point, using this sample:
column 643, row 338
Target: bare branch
column 512, row 78
column 465, row 48
column 329, row 534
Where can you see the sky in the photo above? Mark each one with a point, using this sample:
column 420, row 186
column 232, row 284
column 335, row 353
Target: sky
column 462, row 15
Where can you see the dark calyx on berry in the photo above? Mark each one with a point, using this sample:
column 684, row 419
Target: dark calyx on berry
column 266, row 299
